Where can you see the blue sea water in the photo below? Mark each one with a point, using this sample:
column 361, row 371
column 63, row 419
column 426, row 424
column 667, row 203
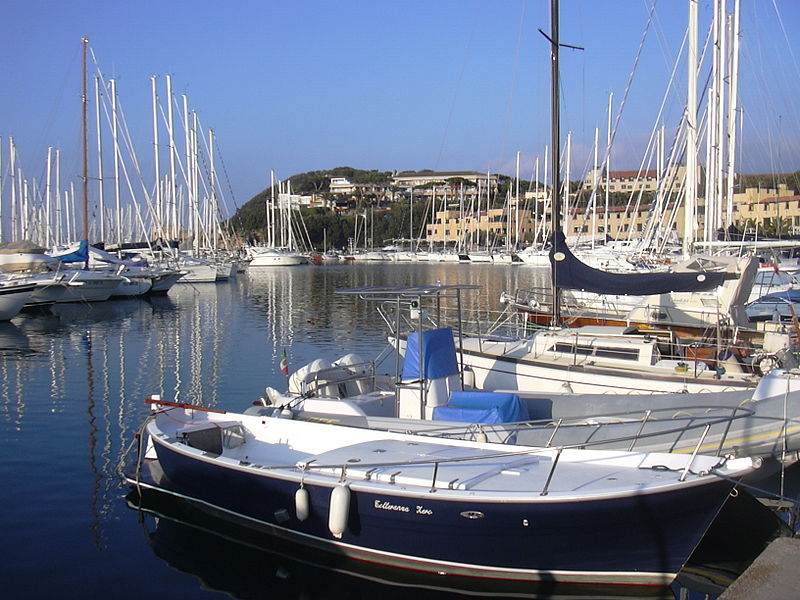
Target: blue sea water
column 72, row 386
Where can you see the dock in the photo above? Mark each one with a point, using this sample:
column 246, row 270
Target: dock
column 774, row 575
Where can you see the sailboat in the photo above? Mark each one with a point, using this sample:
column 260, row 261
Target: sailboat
column 625, row 352
column 273, row 254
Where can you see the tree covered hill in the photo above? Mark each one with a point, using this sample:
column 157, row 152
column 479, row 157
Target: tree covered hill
column 384, row 221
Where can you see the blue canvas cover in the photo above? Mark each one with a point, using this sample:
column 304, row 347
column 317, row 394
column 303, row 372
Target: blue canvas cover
column 438, row 355
column 570, row 273
column 489, row 416
column 81, row 254
column 482, row 407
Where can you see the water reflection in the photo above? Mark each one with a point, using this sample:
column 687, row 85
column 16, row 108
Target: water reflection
column 72, row 384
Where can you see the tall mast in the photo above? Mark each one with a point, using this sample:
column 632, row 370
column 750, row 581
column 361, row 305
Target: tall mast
column 156, row 166
column 171, row 196
column 117, row 191
column 100, row 195
column 608, row 166
column 516, row 205
column 85, row 147
column 690, row 196
column 732, row 108
column 556, row 146
column 48, row 199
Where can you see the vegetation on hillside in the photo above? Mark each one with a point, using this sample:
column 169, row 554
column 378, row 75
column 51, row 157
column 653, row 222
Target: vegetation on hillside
column 370, row 217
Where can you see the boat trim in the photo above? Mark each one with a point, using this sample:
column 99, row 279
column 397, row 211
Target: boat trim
column 438, row 567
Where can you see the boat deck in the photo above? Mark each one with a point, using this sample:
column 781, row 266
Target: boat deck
column 438, row 466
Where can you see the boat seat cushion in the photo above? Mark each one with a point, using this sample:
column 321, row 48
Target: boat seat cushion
column 482, row 407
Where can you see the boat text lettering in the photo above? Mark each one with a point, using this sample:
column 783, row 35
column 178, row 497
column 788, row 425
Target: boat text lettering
column 386, row 505
column 389, row 506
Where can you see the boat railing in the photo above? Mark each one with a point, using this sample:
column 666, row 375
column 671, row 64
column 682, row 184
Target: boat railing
column 673, row 429
column 693, row 447
column 722, row 347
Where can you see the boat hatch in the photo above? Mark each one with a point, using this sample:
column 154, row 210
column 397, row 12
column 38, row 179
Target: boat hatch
column 213, row 437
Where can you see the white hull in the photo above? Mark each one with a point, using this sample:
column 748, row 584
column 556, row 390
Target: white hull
column 74, row 286
column 13, row 296
column 133, row 286
column 225, row 270
column 517, row 366
column 278, row 259
column 536, row 259
column 163, row 282
column 198, row 273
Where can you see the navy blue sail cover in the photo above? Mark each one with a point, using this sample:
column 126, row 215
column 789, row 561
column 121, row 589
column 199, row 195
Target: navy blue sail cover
column 572, row 274
column 438, row 355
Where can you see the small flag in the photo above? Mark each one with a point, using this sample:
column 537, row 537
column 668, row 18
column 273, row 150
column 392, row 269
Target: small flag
column 284, row 363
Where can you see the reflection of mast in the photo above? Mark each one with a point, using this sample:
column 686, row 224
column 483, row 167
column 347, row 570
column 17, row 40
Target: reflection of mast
column 98, row 476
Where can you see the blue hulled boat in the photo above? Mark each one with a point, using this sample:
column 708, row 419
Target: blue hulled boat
column 451, row 508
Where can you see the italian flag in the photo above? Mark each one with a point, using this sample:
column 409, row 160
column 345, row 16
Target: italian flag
column 284, row 363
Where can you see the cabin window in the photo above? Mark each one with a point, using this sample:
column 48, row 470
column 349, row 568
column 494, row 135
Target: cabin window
column 618, row 353
column 214, row 438
column 233, row 437
column 599, row 351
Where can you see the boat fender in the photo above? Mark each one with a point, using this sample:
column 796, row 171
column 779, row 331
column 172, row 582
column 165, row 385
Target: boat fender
column 339, row 510
column 469, row 378
column 302, row 504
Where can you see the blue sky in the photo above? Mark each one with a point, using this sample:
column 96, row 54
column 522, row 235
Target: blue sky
column 445, row 85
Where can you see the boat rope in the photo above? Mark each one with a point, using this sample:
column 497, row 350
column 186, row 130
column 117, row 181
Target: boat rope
column 761, row 492
column 137, row 440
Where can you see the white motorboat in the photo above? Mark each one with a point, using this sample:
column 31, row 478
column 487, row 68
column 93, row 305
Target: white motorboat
column 275, row 257
column 433, row 390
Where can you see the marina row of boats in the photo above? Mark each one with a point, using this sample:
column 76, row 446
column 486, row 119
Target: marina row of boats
column 467, row 468
column 31, row 277
column 594, row 452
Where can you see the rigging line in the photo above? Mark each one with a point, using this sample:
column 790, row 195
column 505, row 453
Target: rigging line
column 791, row 108
column 56, row 107
column 456, row 92
column 514, row 76
column 128, row 145
column 630, row 82
column 786, row 37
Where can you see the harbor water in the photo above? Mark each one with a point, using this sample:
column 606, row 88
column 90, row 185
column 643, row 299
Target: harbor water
column 73, row 381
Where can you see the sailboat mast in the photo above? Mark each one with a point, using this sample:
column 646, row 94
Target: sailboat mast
column 85, row 146
column 690, row 195
column 556, row 146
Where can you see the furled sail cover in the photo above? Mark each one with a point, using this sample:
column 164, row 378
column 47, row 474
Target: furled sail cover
column 80, row 254
column 571, row 274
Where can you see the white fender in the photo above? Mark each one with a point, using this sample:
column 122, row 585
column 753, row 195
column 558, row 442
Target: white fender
column 302, row 504
column 469, row 378
column 339, row 511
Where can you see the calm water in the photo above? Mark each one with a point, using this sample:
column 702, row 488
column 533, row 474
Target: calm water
column 72, row 384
